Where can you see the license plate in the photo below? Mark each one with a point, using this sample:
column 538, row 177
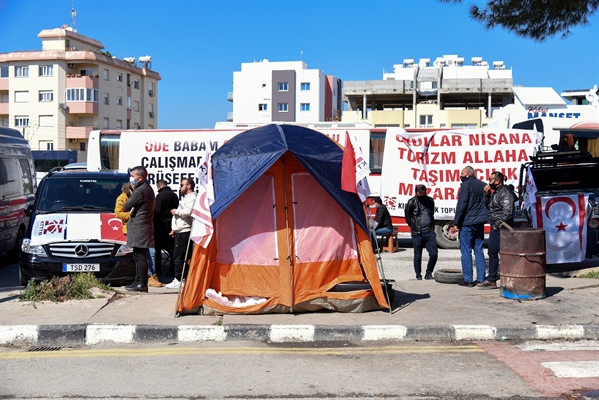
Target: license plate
column 81, row 267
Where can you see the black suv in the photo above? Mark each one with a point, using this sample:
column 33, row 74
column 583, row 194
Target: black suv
column 73, row 229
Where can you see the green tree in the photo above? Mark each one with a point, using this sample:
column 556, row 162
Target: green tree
column 533, row 19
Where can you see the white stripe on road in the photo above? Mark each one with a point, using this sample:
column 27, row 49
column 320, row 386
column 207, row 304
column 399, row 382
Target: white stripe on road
column 194, row 333
column 564, row 346
column 560, row 332
column 15, row 334
column 573, row 369
column 109, row 333
column 382, row 332
column 474, row 332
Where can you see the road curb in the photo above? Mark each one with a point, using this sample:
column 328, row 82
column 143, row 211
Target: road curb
column 80, row 335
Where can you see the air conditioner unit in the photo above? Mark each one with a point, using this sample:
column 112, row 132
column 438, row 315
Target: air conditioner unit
column 151, row 114
column 62, row 106
column 72, row 140
column 71, row 65
column 151, row 93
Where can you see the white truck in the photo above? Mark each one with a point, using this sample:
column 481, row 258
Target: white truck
column 398, row 159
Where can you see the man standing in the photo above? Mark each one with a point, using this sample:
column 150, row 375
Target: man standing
column 140, row 229
column 382, row 222
column 166, row 200
column 500, row 202
column 181, row 229
column 470, row 217
column 420, row 216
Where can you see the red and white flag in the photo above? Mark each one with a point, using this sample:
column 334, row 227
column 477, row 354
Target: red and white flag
column 564, row 219
column 354, row 170
column 202, row 227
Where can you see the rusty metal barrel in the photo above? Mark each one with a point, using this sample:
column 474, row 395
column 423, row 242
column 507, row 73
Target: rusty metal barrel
column 523, row 262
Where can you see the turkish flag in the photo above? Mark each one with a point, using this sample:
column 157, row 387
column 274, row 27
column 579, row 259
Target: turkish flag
column 112, row 229
column 564, row 219
column 354, row 170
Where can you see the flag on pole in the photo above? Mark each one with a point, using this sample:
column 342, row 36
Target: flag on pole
column 354, row 170
column 530, row 196
column 538, row 138
column 201, row 227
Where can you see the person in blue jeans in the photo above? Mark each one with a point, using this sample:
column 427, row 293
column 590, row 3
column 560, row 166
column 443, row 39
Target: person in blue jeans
column 382, row 222
column 470, row 218
column 420, row 217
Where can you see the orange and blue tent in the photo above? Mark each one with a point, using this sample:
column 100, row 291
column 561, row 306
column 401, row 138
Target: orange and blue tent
column 286, row 237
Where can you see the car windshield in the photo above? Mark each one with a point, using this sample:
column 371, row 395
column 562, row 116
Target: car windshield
column 80, row 193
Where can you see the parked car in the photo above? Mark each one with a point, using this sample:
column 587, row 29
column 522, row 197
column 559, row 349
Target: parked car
column 17, row 188
column 73, row 228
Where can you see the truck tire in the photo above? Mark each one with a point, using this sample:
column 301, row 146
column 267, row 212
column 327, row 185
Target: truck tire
column 448, row 275
column 445, row 238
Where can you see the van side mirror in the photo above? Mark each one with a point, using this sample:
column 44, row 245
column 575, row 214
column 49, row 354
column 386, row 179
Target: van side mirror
column 29, row 209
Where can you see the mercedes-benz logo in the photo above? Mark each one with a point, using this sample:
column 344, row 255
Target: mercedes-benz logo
column 81, row 250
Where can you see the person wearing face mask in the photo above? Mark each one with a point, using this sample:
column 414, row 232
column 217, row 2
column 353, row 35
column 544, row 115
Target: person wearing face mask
column 470, row 218
column 420, row 217
column 499, row 199
column 140, row 228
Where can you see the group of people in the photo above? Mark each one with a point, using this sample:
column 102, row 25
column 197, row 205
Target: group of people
column 478, row 203
column 153, row 223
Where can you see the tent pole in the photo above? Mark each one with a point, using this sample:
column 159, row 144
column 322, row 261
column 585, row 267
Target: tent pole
column 182, row 275
column 289, row 263
column 379, row 261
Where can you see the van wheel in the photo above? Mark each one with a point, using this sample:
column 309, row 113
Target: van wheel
column 445, row 238
column 448, row 275
column 13, row 255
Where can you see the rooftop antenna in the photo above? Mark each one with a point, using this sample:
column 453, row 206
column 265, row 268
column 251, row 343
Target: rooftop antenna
column 73, row 17
column 301, row 55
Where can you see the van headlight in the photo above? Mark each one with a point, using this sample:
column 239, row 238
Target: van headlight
column 123, row 250
column 35, row 249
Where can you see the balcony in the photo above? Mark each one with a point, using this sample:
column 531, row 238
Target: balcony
column 79, row 132
column 82, row 107
column 4, row 108
column 79, row 81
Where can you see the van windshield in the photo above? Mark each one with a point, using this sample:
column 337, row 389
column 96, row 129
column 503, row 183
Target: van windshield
column 80, row 194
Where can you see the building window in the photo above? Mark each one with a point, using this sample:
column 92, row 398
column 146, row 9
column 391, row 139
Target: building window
column 119, row 77
column 106, row 99
column 46, row 120
column 46, row 95
column 262, row 107
column 22, row 96
column 305, row 106
column 46, row 70
column 136, row 84
column 81, row 146
column 82, row 94
column 119, row 100
column 86, row 72
column 21, row 72
column 283, row 86
column 283, row 107
column 426, row 121
column 21, row 120
column 435, row 85
column 46, row 145
column 119, row 124
column 4, row 72
column 106, row 123
column 305, row 86
column 106, row 74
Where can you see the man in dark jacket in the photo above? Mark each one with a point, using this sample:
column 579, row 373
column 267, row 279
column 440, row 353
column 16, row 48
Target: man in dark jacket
column 500, row 202
column 382, row 222
column 166, row 200
column 140, row 228
column 420, row 216
column 470, row 218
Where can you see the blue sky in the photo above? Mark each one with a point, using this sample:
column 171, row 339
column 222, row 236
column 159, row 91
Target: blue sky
column 197, row 45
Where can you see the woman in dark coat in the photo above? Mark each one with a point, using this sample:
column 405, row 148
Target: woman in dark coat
column 140, row 228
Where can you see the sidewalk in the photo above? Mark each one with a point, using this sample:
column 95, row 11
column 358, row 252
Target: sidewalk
column 422, row 310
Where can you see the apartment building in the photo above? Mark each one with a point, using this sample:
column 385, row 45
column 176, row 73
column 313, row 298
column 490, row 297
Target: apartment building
column 444, row 94
column 267, row 91
column 57, row 95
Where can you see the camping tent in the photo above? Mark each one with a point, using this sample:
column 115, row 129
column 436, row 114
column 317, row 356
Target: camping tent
column 286, row 237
